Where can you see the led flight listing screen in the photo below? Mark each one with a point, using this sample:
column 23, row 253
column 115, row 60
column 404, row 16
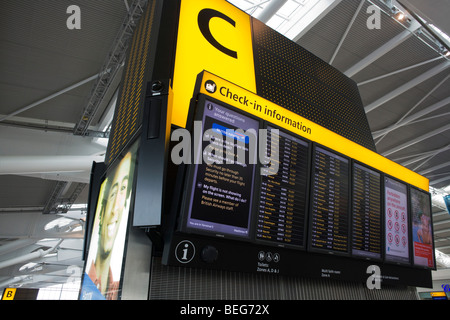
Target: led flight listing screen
column 283, row 196
column 330, row 202
column 366, row 209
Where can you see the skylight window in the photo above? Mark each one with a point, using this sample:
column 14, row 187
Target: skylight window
column 292, row 18
column 57, row 223
column 441, row 33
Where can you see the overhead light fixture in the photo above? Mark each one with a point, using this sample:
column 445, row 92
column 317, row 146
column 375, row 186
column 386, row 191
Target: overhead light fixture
column 400, row 16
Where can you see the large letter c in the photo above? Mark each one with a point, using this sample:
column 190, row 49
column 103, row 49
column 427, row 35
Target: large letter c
column 203, row 22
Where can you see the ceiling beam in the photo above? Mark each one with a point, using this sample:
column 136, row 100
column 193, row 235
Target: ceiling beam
column 53, row 95
column 406, row 86
column 399, row 71
column 16, row 245
column 434, row 168
column 381, row 51
column 438, row 174
column 441, row 231
column 416, row 140
column 439, row 214
column 441, row 223
column 411, row 118
column 425, row 155
column 355, row 15
column 24, row 165
column 447, row 178
column 271, row 8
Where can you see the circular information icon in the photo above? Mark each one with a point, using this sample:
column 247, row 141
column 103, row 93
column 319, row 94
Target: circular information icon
column 185, row 251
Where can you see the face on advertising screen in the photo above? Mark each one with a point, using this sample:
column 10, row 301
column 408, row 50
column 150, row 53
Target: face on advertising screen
column 115, row 198
column 103, row 266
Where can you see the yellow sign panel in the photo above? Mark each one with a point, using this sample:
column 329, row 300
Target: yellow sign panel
column 247, row 101
column 213, row 35
column 9, row 294
column 438, row 294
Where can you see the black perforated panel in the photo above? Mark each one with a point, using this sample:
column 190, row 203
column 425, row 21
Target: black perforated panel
column 295, row 79
column 178, row 283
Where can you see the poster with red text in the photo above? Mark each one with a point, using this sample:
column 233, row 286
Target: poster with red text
column 396, row 210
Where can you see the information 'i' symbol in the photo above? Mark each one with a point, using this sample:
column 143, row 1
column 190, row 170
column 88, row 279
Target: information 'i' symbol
column 185, row 251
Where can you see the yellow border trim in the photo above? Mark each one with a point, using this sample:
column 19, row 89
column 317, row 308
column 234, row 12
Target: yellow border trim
column 266, row 110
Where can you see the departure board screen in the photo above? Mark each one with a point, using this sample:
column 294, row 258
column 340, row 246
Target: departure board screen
column 281, row 217
column 329, row 219
column 366, row 212
column 396, row 221
column 223, row 173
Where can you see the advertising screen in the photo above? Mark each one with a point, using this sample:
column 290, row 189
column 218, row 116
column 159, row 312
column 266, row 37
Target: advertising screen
column 103, row 266
column 366, row 212
column 447, row 202
column 223, row 172
column 396, row 221
column 282, row 210
column 329, row 201
column 422, row 232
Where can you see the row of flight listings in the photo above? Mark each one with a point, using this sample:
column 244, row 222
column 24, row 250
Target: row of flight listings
column 341, row 206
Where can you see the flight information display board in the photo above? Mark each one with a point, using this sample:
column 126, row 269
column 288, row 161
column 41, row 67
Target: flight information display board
column 329, row 219
column 282, row 209
column 221, row 192
column 314, row 202
column 396, row 221
column 366, row 212
column 322, row 211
